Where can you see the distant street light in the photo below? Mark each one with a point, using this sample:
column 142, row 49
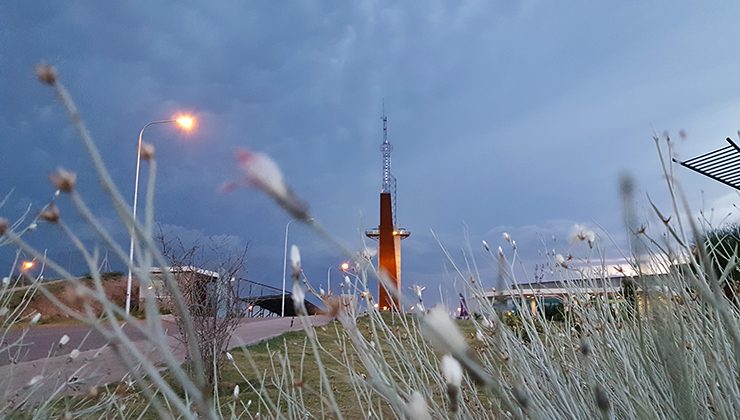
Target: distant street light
column 27, row 265
column 186, row 122
column 328, row 279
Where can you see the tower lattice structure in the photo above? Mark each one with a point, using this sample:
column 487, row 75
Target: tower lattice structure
column 388, row 233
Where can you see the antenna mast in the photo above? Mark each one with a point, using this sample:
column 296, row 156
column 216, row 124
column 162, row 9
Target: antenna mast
column 389, row 181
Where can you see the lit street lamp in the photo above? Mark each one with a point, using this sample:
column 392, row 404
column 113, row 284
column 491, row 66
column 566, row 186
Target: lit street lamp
column 186, row 122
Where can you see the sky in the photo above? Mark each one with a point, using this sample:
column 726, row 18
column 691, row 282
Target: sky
column 505, row 116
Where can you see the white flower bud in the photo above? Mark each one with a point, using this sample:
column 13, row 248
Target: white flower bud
column 486, row 323
column 295, row 261
column 36, row 379
column 451, row 370
column 418, row 289
column 417, row 407
column 262, row 172
column 299, row 296
column 36, row 318
column 560, row 260
column 442, row 332
column 147, row 151
column 64, row 340
column 236, row 391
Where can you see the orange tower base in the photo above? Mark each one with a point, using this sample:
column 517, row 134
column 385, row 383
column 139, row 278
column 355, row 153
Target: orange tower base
column 387, row 253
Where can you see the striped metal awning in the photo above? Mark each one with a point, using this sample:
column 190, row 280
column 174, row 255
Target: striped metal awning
column 721, row 165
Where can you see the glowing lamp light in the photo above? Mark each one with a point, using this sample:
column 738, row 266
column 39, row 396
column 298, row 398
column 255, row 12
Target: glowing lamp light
column 186, row 122
column 344, row 266
column 27, row 265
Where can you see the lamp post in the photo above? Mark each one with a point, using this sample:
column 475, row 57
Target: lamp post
column 186, row 122
column 328, row 279
column 285, row 264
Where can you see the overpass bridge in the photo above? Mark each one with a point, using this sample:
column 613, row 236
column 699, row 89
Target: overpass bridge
column 262, row 300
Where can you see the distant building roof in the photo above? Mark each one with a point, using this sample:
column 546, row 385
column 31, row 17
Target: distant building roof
column 185, row 269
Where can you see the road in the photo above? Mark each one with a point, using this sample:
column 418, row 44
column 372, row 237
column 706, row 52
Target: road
column 98, row 364
column 42, row 341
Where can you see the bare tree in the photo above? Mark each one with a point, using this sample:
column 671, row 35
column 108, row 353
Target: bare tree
column 208, row 278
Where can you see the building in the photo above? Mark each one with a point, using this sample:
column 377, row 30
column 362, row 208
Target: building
column 203, row 290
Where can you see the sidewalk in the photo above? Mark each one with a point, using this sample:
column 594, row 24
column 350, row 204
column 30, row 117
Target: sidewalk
column 97, row 367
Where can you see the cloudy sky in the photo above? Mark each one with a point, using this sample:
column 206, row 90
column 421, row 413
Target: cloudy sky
column 515, row 116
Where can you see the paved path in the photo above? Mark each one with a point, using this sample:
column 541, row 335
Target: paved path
column 41, row 341
column 97, row 364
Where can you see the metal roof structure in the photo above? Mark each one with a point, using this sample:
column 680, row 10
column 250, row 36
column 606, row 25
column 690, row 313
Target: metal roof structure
column 721, row 165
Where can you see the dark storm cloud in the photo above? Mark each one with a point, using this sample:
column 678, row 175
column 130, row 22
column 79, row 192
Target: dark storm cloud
column 504, row 116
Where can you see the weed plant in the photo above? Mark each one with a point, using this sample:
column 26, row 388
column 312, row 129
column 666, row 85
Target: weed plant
column 670, row 352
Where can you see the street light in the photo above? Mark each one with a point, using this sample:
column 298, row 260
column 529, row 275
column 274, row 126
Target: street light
column 186, row 122
column 328, row 279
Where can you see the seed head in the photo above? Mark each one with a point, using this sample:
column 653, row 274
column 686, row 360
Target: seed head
column 63, row 180
column 418, row 290
column 451, row 370
column 602, row 399
column 74, row 354
column 147, row 151
column 299, row 296
column 263, row 173
column 50, row 214
column 36, row 379
column 585, row 348
column 236, row 391
column 560, row 260
column 521, row 397
column 36, row 318
column 443, row 334
column 295, row 261
column 507, row 237
column 63, row 340
column 485, row 246
column 46, row 74
column 417, row 408
column 486, row 323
